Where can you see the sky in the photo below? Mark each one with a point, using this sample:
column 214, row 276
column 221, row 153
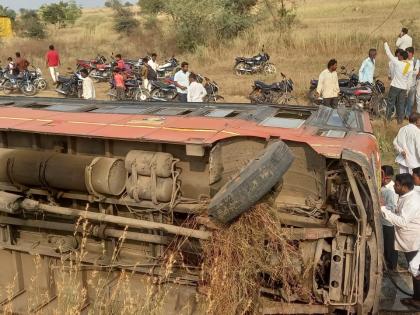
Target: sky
column 34, row 4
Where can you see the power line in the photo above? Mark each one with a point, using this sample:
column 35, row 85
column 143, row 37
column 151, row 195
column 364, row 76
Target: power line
column 387, row 18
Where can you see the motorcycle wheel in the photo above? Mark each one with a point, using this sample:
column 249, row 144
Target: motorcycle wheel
column 269, row 69
column 8, row 87
column 158, row 95
column 257, row 97
column 283, row 99
column 379, row 107
column 142, row 95
column 213, row 99
column 29, row 89
column 41, row 84
column 239, row 68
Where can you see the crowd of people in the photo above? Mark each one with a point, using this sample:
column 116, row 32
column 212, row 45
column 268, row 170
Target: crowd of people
column 188, row 88
column 401, row 205
column 404, row 75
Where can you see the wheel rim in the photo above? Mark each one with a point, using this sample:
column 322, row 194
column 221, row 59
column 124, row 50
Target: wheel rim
column 41, row 85
column 239, row 67
column 142, row 97
column 29, row 89
column 8, row 88
column 270, row 69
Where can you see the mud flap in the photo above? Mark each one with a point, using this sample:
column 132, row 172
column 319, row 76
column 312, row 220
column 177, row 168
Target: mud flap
column 251, row 184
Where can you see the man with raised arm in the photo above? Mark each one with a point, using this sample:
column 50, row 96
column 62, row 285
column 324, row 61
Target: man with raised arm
column 399, row 84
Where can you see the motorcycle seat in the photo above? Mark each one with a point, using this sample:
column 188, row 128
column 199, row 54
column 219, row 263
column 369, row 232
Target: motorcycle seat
column 131, row 83
column 63, row 79
column 343, row 82
column 265, row 86
column 162, row 85
column 355, row 90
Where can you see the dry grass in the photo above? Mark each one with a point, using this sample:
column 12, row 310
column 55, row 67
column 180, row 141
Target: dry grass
column 253, row 251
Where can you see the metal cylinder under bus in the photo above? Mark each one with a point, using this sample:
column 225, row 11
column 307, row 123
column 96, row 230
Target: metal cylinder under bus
column 62, row 171
column 142, row 188
column 143, row 162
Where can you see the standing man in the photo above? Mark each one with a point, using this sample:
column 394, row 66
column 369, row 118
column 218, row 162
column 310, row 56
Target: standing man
column 52, row 59
column 399, row 84
column 406, row 221
column 328, row 87
column 182, row 82
column 404, row 40
column 144, row 73
column 390, row 199
column 196, row 91
column 152, row 62
column 367, row 70
column 120, row 62
column 119, row 84
column 407, row 144
column 21, row 63
column 88, row 87
column 412, row 82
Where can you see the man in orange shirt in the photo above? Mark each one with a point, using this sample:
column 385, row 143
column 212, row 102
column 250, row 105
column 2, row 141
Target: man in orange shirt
column 52, row 59
column 119, row 82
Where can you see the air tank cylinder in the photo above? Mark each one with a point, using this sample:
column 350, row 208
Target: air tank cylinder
column 62, row 171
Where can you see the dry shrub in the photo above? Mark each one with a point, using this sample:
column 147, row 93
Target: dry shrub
column 252, row 252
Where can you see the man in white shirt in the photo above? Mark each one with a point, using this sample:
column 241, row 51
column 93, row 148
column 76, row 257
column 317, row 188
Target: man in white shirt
column 404, row 40
column 152, row 62
column 328, row 87
column 399, row 84
column 390, row 199
column 196, row 91
column 407, row 145
column 406, row 221
column 367, row 69
column 88, row 86
column 182, row 82
column 412, row 83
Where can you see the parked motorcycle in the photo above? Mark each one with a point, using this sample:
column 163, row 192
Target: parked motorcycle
column 21, row 83
column 368, row 97
column 133, row 91
column 256, row 64
column 71, row 87
column 168, row 68
column 347, row 80
column 212, row 89
column 101, row 72
column 35, row 75
column 89, row 64
column 275, row 93
column 163, row 91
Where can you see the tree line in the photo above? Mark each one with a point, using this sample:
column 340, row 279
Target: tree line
column 32, row 23
column 194, row 22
